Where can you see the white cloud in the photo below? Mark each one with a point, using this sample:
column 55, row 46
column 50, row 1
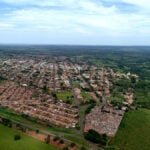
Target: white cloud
column 82, row 17
column 141, row 3
column 6, row 26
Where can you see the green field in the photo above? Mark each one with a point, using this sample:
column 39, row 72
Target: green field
column 66, row 96
column 86, row 95
column 76, row 84
column 134, row 131
column 7, row 141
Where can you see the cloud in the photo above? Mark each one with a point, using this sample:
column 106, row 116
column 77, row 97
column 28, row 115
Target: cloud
column 73, row 19
column 6, row 26
column 142, row 3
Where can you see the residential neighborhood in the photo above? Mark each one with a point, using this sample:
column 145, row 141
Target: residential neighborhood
column 54, row 90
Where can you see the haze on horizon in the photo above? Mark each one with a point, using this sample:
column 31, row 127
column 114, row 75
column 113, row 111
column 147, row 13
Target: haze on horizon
column 82, row 22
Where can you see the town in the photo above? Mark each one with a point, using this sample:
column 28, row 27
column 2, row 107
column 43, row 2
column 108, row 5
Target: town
column 54, row 90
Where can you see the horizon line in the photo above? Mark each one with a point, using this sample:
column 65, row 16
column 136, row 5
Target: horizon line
column 35, row 44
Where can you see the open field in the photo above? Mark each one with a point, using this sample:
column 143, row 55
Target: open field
column 134, row 131
column 65, row 96
column 86, row 96
column 7, row 141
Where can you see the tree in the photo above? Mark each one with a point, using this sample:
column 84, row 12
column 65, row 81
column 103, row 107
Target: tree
column 17, row 137
column 92, row 105
column 95, row 137
column 133, row 79
column 72, row 145
column 45, row 89
column 56, row 138
column 82, row 148
column 65, row 148
column 61, row 141
column 37, row 131
column 47, row 140
column 6, row 122
column 103, row 139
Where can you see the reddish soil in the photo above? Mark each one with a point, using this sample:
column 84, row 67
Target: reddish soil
column 42, row 137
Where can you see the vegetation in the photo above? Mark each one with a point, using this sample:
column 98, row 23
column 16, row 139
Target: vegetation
column 88, row 109
column 71, row 134
column 1, row 79
column 17, row 137
column 66, row 96
column 95, row 137
column 76, row 84
column 116, row 101
column 7, row 141
column 142, row 94
column 86, row 95
column 65, row 148
column 134, row 131
column 79, row 140
column 72, row 145
column 45, row 89
column 6, row 122
column 82, row 148
column 56, row 138
column 61, row 141
column 47, row 139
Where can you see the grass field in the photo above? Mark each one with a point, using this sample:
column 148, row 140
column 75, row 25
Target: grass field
column 134, row 131
column 10, row 114
column 7, row 141
column 76, row 84
column 66, row 96
column 86, row 95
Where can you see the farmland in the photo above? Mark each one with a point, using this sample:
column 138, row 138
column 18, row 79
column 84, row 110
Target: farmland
column 134, row 131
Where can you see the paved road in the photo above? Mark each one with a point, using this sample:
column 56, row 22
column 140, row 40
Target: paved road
column 81, row 120
column 54, row 75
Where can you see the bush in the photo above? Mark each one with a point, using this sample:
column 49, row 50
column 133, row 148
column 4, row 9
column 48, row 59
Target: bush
column 17, row 137
column 47, row 140
column 37, row 131
column 77, row 126
column 82, row 148
column 6, row 122
column 56, row 138
column 61, row 141
column 72, row 145
column 87, row 111
column 65, row 148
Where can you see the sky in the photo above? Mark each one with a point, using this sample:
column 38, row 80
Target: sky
column 75, row 22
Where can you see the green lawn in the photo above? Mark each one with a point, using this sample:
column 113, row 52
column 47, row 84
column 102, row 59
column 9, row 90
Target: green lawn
column 7, row 141
column 86, row 95
column 134, row 131
column 10, row 114
column 66, row 96
column 79, row 140
column 76, row 84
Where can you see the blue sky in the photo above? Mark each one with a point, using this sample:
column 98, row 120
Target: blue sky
column 84, row 22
